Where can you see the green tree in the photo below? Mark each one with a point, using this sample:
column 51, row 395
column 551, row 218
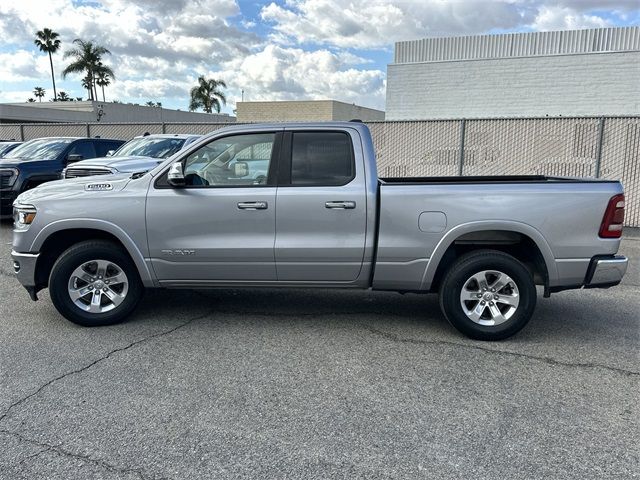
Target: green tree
column 47, row 41
column 30, row 100
column 102, row 79
column 63, row 97
column 86, row 56
column 206, row 95
column 87, row 85
column 39, row 92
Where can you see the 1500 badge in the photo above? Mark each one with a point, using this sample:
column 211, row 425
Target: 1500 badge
column 178, row 252
column 98, row 186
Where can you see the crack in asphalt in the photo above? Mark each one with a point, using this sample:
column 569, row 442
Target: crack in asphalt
column 551, row 361
column 46, row 447
column 98, row 360
column 29, row 457
column 86, row 458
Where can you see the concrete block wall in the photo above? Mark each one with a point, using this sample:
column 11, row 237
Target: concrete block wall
column 559, row 85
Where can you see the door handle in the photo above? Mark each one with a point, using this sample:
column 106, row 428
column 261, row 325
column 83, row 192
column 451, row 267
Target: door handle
column 341, row 205
column 253, row 205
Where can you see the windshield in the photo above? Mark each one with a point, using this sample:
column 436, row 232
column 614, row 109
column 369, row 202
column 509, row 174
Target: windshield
column 150, row 147
column 40, row 149
column 7, row 147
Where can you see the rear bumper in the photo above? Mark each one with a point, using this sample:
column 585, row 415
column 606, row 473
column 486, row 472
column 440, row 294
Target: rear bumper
column 606, row 271
column 24, row 266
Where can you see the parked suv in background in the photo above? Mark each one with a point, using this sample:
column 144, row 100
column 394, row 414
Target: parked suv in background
column 41, row 160
column 137, row 155
column 7, row 146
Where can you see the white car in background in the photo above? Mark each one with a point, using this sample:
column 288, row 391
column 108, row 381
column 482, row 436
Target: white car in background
column 136, row 156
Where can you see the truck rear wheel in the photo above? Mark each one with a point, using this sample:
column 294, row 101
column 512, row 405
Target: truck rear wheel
column 488, row 295
column 95, row 283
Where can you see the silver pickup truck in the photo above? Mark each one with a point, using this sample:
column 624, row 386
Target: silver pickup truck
column 318, row 217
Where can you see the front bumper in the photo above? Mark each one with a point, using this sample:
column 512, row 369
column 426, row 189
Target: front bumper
column 24, row 266
column 606, row 271
column 7, row 198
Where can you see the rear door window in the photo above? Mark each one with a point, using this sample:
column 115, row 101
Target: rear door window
column 321, row 159
column 84, row 148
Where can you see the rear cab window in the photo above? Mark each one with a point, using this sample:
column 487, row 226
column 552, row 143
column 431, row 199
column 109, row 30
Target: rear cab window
column 321, row 159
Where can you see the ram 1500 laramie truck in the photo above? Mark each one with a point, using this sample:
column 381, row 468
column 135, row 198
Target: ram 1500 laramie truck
column 319, row 218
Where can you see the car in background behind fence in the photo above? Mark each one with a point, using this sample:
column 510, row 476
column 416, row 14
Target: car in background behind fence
column 41, row 160
column 136, row 156
column 7, row 146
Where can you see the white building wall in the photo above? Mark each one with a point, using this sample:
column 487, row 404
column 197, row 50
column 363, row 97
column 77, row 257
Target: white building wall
column 568, row 85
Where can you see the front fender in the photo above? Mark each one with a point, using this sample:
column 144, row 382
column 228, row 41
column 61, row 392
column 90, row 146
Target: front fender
column 148, row 279
column 479, row 226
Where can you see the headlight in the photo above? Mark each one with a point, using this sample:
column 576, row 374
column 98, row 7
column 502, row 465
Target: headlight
column 23, row 216
column 8, row 177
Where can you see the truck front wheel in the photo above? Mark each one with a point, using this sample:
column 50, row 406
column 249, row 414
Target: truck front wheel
column 488, row 295
column 95, row 283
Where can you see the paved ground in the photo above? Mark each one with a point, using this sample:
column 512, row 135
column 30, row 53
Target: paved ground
column 319, row 384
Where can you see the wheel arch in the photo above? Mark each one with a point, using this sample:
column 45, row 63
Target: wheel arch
column 56, row 237
column 498, row 235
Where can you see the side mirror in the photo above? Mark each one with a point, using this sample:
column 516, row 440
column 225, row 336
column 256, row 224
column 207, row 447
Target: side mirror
column 240, row 169
column 74, row 157
column 175, row 177
column 110, row 152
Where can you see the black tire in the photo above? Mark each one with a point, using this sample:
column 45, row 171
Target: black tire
column 77, row 255
column 471, row 264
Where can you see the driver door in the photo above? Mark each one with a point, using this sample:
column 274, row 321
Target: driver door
column 220, row 227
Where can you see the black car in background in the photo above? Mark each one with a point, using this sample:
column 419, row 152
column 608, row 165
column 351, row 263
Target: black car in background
column 43, row 159
column 7, row 146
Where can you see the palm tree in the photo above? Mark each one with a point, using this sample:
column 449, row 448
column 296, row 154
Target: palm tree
column 39, row 92
column 30, row 100
column 86, row 84
column 103, row 79
column 47, row 41
column 63, row 97
column 207, row 96
column 86, row 58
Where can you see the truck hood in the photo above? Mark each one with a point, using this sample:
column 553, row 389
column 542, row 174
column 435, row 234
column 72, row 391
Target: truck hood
column 122, row 164
column 73, row 187
column 16, row 162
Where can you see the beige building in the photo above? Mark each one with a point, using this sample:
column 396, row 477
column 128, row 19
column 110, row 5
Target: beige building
column 304, row 110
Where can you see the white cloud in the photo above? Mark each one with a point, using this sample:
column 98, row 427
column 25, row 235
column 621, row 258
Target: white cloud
column 378, row 23
column 15, row 96
column 23, row 65
column 566, row 18
column 307, row 49
column 279, row 73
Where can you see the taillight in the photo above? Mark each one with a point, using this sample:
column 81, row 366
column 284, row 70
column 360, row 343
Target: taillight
column 613, row 218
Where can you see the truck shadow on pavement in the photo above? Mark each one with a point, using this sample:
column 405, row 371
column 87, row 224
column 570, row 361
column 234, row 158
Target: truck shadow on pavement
column 574, row 315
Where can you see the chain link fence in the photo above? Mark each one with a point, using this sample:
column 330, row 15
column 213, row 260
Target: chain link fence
column 606, row 147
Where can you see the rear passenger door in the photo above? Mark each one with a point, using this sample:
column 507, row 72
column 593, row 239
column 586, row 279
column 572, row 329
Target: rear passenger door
column 321, row 207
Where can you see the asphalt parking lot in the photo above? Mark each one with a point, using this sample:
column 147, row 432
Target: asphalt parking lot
column 319, row 384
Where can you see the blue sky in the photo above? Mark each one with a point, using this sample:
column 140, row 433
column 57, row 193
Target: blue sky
column 273, row 50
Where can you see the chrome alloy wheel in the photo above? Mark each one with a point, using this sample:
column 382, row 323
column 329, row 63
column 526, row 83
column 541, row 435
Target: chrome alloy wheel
column 98, row 286
column 489, row 298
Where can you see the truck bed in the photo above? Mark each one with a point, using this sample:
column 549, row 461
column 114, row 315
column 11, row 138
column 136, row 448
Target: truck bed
column 488, row 179
column 420, row 217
